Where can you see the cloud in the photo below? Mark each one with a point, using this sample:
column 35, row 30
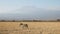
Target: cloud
column 31, row 12
column 4, row 10
column 27, row 9
column 32, row 9
column 53, row 8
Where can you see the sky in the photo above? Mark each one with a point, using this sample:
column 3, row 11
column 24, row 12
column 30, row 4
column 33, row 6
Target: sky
column 29, row 9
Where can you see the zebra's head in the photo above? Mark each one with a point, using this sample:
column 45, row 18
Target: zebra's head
column 21, row 23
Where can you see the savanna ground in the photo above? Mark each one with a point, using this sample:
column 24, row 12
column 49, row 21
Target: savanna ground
column 33, row 28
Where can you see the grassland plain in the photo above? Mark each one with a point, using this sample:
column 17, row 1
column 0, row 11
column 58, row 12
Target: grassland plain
column 33, row 28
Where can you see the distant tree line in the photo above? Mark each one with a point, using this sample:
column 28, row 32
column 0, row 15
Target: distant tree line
column 58, row 20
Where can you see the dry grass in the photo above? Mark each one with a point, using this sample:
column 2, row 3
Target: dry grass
column 34, row 28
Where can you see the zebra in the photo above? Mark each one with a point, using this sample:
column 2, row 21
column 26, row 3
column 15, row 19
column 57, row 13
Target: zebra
column 23, row 25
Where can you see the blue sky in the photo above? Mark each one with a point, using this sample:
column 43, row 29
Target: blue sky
column 46, row 9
